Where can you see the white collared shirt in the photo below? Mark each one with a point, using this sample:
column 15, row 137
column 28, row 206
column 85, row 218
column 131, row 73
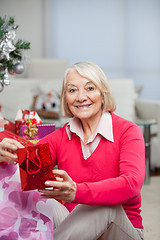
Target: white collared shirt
column 104, row 129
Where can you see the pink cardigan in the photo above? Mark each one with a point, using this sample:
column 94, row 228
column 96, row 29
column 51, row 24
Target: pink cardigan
column 112, row 175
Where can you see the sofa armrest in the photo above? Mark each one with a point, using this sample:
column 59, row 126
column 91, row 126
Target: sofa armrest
column 149, row 110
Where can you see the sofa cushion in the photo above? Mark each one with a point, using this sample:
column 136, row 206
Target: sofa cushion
column 47, row 68
column 13, row 101
column 47, row 105
column 125, row 96
column 18, row 95
column 49, row 85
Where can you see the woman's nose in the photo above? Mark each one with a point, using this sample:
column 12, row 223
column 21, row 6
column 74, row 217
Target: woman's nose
column 81, row 96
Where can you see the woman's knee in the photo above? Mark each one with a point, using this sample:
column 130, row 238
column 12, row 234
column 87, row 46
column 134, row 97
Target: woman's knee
column 92, row 221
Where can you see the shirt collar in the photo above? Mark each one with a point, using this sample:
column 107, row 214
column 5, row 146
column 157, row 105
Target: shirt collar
column 104, row 128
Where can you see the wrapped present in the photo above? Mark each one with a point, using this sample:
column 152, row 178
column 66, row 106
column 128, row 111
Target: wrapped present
column 8, row 125
column 26, row 117
column 9, row 134
column 35, row 166
column 36, row 132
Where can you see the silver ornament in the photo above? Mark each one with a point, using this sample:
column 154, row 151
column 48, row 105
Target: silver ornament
column 11, row 71
column 18, row 68
column 6, row 44
column 6, row 81
column 2, row 56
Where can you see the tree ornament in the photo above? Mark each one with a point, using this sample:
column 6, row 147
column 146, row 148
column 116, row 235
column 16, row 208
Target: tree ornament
column 2, row 56
column 11, row 54
column 6, row 78
column 18, row 68
column 11, row 71
column 6, row 44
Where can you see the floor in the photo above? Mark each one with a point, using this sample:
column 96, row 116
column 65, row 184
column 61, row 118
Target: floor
column 151, row 208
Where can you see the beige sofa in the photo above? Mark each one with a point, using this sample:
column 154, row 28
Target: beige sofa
column 45, row 75
column 148, row 110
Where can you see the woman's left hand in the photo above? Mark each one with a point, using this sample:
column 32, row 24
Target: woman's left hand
column 64, row 188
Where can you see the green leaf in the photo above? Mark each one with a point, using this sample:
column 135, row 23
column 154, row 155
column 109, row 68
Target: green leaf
column 11, row 21
column 1, row 76
column 2, row 21
column 20, row 44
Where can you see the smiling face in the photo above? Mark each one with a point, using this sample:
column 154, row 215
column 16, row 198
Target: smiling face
column 84, row 99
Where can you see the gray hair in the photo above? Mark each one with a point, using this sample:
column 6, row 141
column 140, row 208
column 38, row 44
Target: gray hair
column 95, row 74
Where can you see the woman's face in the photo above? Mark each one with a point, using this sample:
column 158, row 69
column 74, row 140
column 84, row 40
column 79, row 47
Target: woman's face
column 83, row 97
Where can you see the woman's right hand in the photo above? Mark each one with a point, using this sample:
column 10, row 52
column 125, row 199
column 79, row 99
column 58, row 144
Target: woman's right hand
column 8, row 150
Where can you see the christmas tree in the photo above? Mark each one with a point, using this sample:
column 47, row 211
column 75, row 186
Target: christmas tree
column 11, row 53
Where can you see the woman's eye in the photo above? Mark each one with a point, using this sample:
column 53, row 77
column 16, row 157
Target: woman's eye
column 71, row 90
column 90, row 88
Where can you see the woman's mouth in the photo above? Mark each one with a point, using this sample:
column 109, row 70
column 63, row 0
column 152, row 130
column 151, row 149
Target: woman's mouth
column 84, row 106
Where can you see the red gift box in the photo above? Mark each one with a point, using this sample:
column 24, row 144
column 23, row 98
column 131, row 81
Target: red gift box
column 8, row 134
column 8, row 125
column 35, row 166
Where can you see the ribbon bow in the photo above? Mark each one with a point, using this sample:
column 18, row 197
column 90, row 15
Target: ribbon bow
column 32, row 130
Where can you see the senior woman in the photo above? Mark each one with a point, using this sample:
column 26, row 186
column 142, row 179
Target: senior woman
column 101, row 162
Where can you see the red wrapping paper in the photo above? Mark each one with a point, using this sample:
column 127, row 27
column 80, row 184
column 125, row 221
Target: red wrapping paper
column 35, row 166
column 8, row 134
column 8, row 125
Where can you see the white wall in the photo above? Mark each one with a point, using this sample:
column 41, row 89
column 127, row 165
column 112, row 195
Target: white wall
column 143, row 45
column 91, row 30
column 29, row 15
column 122, row 36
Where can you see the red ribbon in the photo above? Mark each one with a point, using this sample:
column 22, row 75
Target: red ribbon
column 33, row 162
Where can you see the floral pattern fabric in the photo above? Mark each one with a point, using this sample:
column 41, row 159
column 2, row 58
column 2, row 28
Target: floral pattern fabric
column 23, row 215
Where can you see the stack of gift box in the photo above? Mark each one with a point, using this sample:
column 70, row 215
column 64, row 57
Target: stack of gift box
column 29, row 125
column 35, row 163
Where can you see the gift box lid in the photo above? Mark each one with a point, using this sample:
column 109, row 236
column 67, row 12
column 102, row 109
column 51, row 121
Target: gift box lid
column 36, row 132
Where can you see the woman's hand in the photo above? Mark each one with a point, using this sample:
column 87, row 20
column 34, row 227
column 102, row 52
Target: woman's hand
column 8, row 148
column 64, row 188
